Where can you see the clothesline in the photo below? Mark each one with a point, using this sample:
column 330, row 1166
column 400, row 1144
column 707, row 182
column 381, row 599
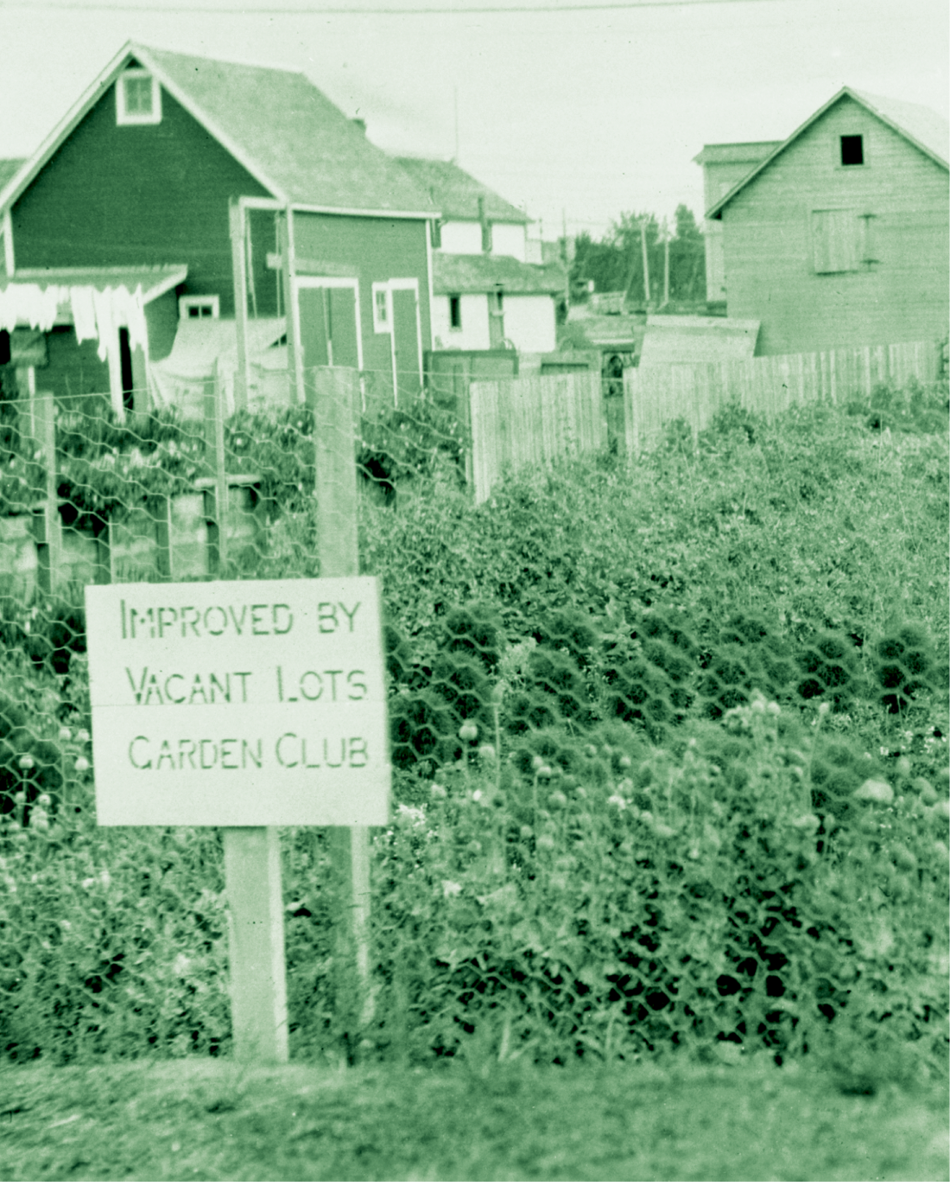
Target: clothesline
column 97, row 314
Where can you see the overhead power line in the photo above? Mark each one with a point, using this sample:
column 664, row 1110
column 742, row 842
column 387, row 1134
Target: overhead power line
column 328, row 10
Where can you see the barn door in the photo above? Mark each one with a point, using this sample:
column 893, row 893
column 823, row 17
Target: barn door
column 406, row 331
column 329, row 322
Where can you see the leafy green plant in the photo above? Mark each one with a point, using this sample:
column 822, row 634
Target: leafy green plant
column 418, row 438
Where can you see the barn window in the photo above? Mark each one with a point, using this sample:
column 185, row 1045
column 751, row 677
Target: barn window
column 852, row 150
column 455, row 312
column 382, row 309
column 138, row 98
column 191, row 308
column 836, row 237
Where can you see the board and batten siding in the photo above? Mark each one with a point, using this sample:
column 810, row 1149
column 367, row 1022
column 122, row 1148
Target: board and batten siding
column 140, row 194
column 899, row 199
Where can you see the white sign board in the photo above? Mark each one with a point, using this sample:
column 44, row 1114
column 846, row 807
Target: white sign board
column 239, row 703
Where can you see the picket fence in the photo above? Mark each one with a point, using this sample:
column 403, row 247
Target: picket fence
column 518, row 422
column 655, row 396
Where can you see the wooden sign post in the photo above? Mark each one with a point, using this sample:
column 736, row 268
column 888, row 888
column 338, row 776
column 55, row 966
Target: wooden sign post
column 246, row 705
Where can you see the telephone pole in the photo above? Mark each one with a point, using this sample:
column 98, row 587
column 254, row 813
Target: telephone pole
column 646, row 261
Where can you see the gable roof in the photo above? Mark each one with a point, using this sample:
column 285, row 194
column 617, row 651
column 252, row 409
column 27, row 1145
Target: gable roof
column 923, row 128
column 456, row 192
column 276, row 123
column 485, row 273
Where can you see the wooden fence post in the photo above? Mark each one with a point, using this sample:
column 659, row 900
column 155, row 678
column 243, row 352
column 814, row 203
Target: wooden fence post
column 332, row 394
column 256, row 944
column 48, row 526
column 216, row 499
column 236, row 224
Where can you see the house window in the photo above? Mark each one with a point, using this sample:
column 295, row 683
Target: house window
column 455, row 312
column 382, row 309
column 192, row 308
column 138, row 98
column 837, row 240
column 852, row 150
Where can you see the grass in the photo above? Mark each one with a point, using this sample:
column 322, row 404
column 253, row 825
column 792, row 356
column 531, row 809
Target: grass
column 207, row 1119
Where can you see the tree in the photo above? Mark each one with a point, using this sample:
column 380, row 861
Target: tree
column 615, row 264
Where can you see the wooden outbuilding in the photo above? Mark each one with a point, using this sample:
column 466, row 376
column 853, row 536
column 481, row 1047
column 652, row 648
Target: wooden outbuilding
column 839, row 236
column 210, row 166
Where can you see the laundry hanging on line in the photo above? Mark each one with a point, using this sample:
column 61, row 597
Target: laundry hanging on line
column 96, row 313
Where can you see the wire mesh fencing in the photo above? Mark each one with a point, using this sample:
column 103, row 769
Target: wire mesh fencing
column 544, row 793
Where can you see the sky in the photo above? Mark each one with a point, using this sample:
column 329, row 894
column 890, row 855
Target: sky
column 574, row 110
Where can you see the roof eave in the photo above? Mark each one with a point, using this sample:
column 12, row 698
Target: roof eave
column 144, row 55
column 353, row 212
column 898, row 128
column 166, row 284
column 32, row 165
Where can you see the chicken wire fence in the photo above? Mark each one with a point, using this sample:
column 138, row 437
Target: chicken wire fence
column 552, row 709
column 197, row 491
column 205, row 490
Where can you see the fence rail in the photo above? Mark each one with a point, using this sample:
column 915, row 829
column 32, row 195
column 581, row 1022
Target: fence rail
column 533, row 420
column 657, row 395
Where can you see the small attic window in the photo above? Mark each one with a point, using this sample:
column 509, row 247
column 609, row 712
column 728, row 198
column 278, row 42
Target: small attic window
column 199, row 308
column 138, row 98
column 852, row 150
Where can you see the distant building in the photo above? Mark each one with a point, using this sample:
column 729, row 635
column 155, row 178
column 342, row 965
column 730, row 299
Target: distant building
column 724, row 165
column 840, row 235
column 486, row 293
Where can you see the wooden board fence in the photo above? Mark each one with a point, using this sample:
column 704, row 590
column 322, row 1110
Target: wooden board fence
column 657, row 395
column 518, row 422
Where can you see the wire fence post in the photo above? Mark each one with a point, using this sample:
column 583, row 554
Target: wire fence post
column 216, row 499
column 48, row 527
column 332, row 395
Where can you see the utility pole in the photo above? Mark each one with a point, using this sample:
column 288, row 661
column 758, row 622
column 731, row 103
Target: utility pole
column 455, row 93
column 565, row 256
column 666, row 264
column 646, row 261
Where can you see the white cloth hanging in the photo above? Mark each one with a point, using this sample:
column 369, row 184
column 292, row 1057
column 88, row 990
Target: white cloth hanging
column 31, row 305
column 84, row 312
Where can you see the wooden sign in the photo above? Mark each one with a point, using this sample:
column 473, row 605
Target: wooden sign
column 239, row 703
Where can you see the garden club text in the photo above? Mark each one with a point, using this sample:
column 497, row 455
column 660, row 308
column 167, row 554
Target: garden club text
column 290, row 751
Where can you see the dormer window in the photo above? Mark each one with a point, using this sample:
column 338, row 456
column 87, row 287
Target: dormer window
column 138, row 98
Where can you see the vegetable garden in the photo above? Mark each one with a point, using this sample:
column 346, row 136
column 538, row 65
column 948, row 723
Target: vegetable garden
column 669, row 739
